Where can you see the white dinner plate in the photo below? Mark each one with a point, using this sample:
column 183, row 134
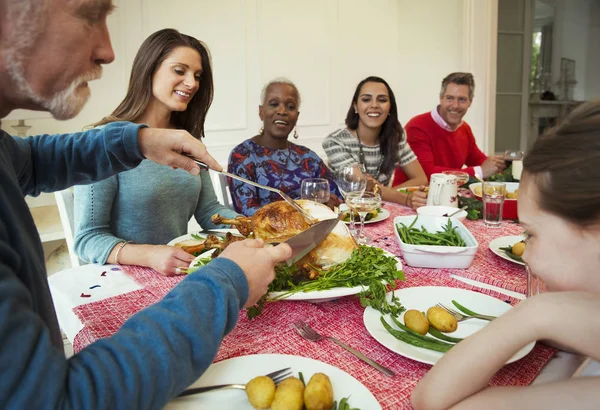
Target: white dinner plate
column 242, row 369
column 329, row 294
column 382, row 215
column 422, row 298
column 503, row 242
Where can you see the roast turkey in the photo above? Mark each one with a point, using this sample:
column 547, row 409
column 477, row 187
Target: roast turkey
column 278, row 221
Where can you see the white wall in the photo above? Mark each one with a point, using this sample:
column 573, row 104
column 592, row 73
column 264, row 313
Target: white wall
column 577, row 37
column 325, row 46
column 592, row 79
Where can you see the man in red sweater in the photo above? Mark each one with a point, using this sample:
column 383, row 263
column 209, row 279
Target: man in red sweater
column 442, row 141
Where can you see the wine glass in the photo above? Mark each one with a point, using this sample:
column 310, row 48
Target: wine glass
column 315, row 189
column 512, row 155
column 363, row 204
column 352, row 180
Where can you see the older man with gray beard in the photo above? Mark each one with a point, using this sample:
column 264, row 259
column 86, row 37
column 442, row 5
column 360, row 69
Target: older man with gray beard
column 49, row 50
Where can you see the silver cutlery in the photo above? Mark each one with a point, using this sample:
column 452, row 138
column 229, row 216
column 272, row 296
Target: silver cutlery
column 460, row 317
column 309, row 334
column 278, row 377
column 457, row 211
column 282, row 194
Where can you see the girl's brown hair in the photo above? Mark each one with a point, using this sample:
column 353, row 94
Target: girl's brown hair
column 151, row 54
column 565, row 164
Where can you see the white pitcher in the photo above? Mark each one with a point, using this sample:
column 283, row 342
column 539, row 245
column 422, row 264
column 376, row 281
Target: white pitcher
column 443, row 190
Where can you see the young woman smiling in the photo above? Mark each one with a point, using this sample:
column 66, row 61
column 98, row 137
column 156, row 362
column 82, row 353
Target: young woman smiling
column 127, row 218
column 374, row 137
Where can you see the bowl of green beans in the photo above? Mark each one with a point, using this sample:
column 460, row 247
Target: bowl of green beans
column 435, row 242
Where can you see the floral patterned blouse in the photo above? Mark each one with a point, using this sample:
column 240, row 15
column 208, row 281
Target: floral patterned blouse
column 278, row 168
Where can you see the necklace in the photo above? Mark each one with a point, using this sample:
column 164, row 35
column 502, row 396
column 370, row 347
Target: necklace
column 362, row 159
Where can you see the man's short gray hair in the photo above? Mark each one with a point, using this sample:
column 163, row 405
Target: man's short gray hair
column 459, row 79
column 279, row 80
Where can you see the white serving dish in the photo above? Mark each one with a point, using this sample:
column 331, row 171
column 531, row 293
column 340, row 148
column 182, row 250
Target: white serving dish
column 440, row 211
column 429, row 256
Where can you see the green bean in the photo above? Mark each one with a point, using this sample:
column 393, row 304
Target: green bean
column 412, row 340
column 465, row 310
column 412, row 332
column 436, row 333
column 335, row 406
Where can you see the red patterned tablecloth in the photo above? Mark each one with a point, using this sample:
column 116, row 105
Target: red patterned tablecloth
column 272, row 332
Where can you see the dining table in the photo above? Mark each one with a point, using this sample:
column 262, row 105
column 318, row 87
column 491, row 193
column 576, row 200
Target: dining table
column 93, row 301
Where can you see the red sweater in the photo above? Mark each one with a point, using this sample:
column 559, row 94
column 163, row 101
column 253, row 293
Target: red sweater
column 440, row 150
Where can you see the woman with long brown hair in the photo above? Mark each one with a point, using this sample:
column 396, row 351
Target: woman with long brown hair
column 128, row 218
column 374, row 138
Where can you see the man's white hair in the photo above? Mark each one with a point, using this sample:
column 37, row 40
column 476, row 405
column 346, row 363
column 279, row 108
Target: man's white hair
column 279, row 80
column 28, row 20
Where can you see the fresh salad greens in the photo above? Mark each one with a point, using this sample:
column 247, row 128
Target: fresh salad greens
column 368, row 266
column 474, row 207
column 413, row 236
column 200, row 262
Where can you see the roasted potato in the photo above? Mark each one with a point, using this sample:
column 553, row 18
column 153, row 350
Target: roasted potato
column 416, row 321
column 518, row 248
column 289, row 395
column 318, row 394
column 441, row 320
column 260, row 392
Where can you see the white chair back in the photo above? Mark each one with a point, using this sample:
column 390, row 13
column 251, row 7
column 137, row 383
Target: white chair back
column 65, row 203
column 219, row 182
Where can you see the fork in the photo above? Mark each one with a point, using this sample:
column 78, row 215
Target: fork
column 309, row 334
column 460, row 317
column 278, row 377
column 282, row 194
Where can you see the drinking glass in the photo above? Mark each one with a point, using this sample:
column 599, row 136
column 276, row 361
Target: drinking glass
column 363, row 204
column 352, row 180
column 535, row 285
column 315, row 189
column 512, row 155
column 493, row 194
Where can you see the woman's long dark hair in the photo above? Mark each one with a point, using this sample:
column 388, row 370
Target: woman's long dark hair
column 155, row 49
column 392, row 133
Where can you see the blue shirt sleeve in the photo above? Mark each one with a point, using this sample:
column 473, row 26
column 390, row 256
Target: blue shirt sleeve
column 54, row 162
column 155, row 355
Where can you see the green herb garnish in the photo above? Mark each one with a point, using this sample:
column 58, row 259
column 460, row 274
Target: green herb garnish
column 368, row 266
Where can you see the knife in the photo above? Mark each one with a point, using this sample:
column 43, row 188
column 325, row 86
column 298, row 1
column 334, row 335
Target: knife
column 306, row 241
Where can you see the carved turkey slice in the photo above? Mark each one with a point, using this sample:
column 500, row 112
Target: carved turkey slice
column 278, row 221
